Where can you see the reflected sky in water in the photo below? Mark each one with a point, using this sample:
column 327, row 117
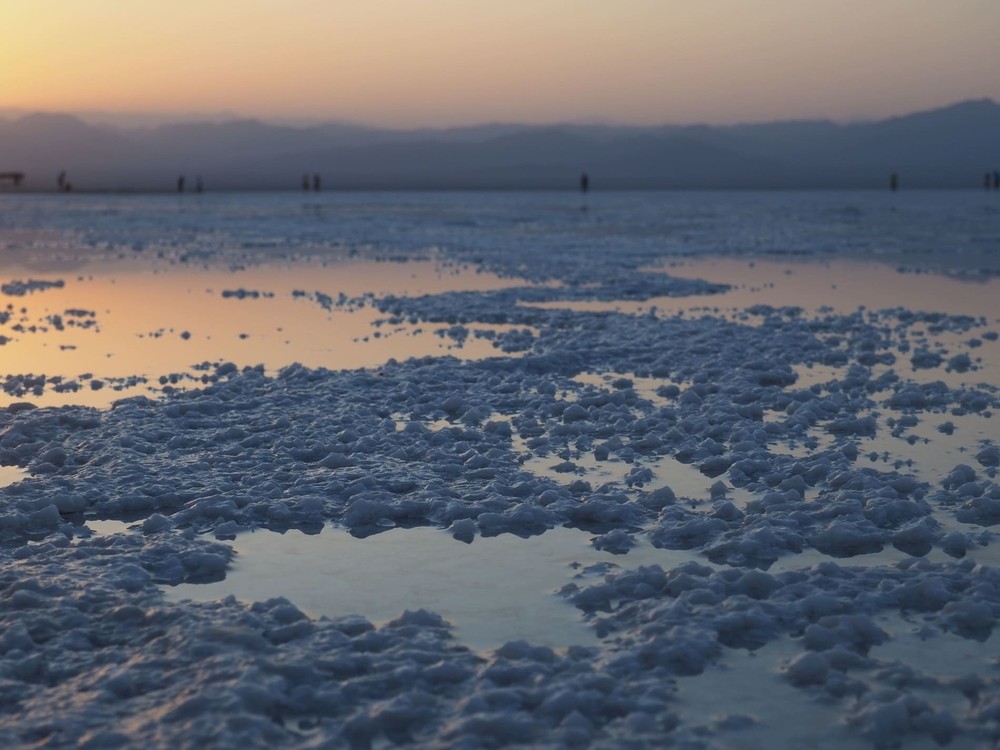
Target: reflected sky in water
column 126, row 319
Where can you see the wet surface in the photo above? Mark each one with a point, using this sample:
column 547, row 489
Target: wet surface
column 829, row 468
column 123, row 327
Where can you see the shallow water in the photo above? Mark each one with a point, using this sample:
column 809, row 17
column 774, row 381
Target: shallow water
column 160, row 322
column 494, row 590
column 11, row 474
column 839, row 284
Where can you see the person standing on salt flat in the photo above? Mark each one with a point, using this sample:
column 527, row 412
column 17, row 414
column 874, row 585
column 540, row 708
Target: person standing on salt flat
column 584, row 183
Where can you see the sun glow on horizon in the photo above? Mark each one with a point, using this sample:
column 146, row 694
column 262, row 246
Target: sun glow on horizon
column 401, row 63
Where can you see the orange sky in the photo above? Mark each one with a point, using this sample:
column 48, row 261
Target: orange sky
column 445, row 62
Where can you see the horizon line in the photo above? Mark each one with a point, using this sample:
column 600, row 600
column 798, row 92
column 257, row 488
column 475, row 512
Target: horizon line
column 157, row 120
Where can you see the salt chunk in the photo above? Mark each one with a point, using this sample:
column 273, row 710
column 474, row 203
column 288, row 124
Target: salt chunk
column 989, row 456
column 847, row 538
column 453, row 405
column 940, row 725
column 969, row 619
column 918, row 537
column 130, row 577
column 524, row 650
column 335, row 460
column 464, row 530
column 420, row 618
column 155, row 523
column 576, row 730
column 204, row 565
column 658, row 498
column 617, row 542
column 228, row 530
column 955, row 544
column 810, row 668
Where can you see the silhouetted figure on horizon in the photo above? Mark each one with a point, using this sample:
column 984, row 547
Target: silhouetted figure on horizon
column 316, row 183
column 180, row 184
column 996, row 180
column 305, row 182
column 894, row 182
column 584, row 183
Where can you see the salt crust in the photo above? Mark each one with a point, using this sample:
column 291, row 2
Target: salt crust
column 92, row 656
column 83, row 617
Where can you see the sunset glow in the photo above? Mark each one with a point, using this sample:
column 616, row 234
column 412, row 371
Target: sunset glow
column 402, row 63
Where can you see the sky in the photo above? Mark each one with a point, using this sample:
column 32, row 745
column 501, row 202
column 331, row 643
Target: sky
column 407, row 63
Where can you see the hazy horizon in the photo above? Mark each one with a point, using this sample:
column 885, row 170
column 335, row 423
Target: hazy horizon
column 398, row 65
column 131, row 119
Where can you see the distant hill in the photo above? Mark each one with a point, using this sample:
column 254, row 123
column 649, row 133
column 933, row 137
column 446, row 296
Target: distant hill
column 950, row 147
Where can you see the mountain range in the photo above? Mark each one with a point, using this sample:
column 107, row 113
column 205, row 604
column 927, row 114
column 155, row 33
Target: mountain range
column 950, row 147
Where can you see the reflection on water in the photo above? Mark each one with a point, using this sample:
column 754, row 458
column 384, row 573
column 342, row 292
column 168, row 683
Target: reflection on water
column 107, row 526
column 841, row 285
column 132, row 321
column 494, row 590
column 745, row 696
column 11, row 474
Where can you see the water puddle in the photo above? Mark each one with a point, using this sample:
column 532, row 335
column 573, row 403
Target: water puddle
column 840, row 286
column 107, row 527
column 129, row 328
column 940, row 654
column 494, row 590
column 748, row 704
column 11, row 474
column 744, row 698
column 647, row 388
column 685, row 480
column 843, row 286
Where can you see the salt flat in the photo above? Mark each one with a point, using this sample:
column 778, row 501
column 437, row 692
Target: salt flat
column 480, row 470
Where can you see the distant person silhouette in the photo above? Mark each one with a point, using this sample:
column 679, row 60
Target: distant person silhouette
column 996, row 180
column 584, row 182
column 180, row 184
column 894, row 182
column 316, row 183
